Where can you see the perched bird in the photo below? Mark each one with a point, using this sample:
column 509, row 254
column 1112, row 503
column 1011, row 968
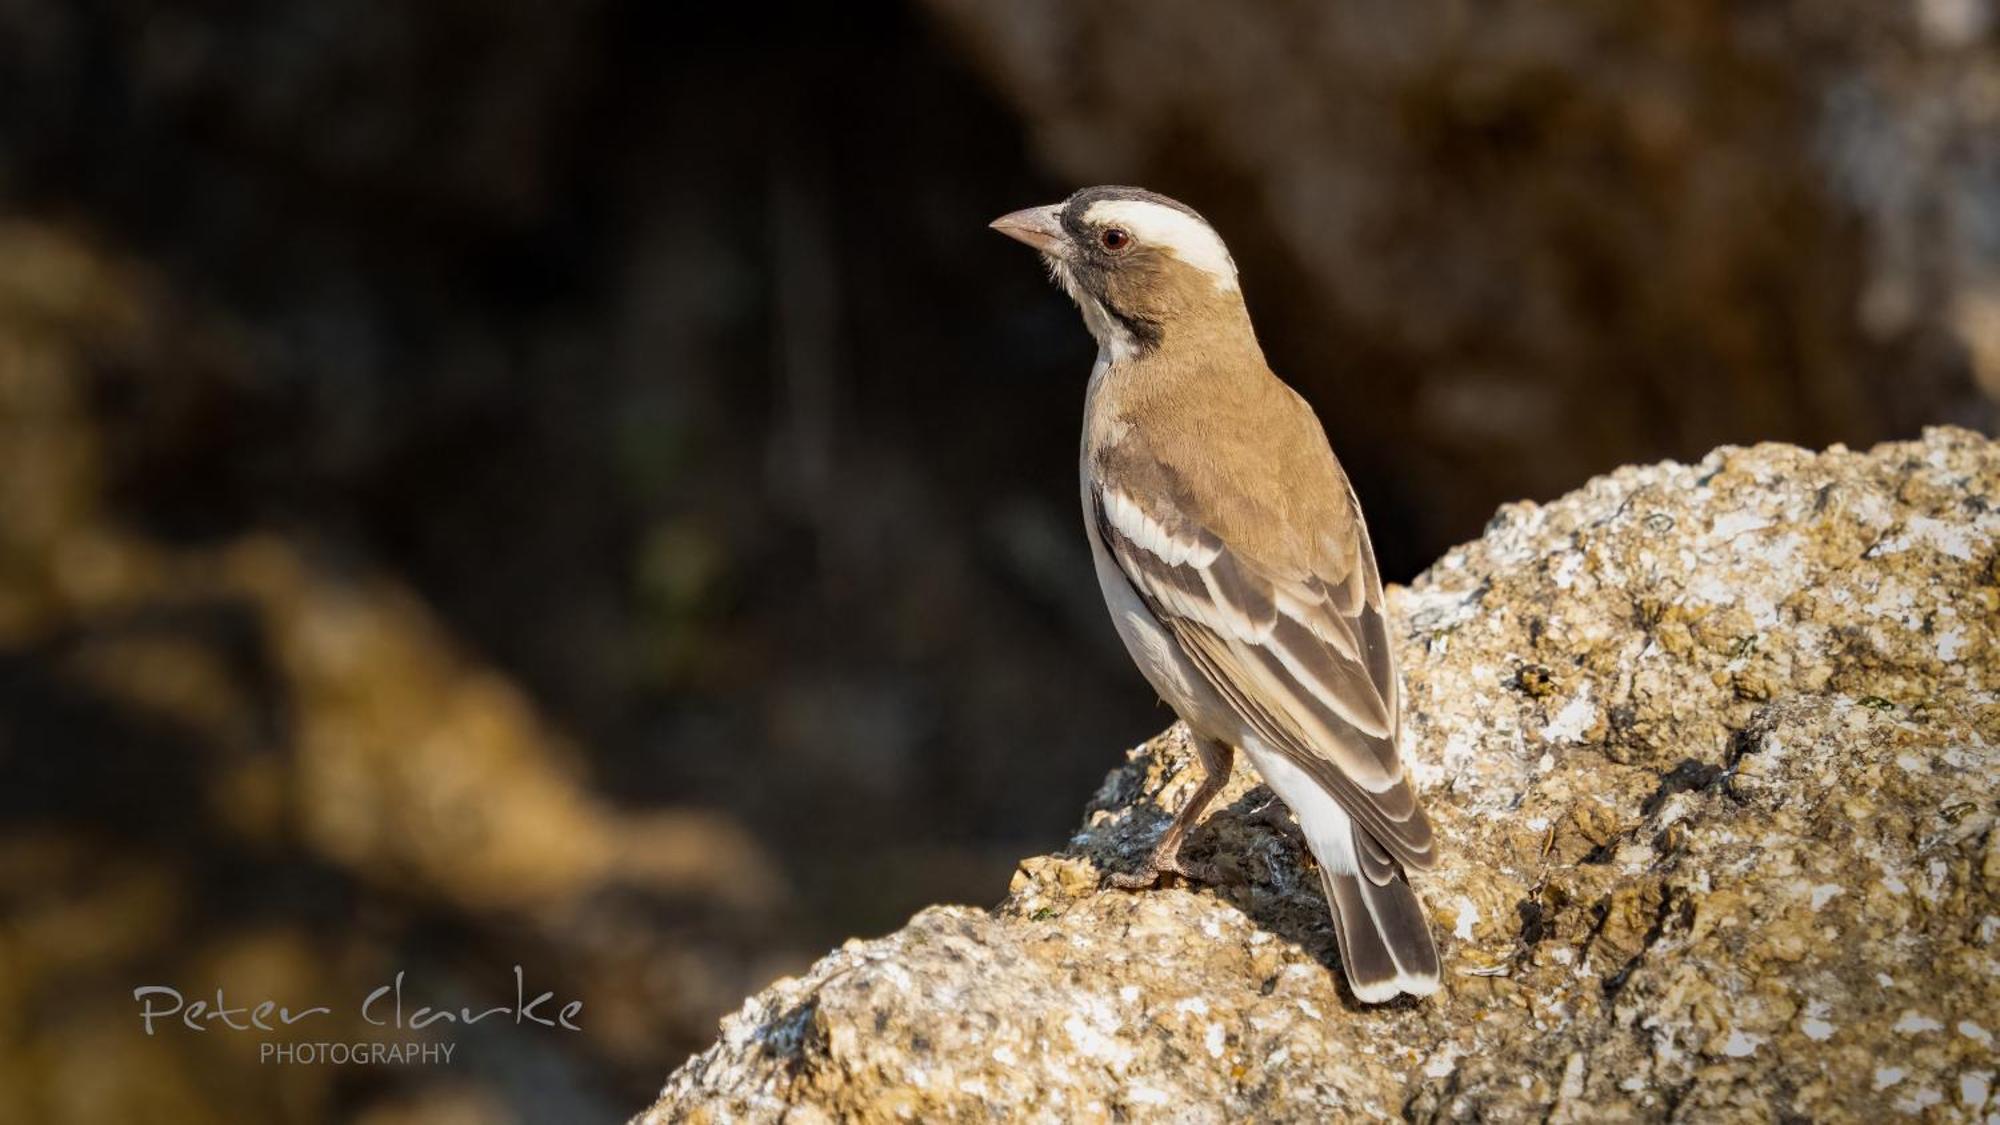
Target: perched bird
column 1236, row 565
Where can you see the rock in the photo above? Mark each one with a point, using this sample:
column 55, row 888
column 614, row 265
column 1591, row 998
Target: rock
column 1712, row 750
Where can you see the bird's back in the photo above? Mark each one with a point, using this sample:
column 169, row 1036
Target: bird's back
column 1280, row 500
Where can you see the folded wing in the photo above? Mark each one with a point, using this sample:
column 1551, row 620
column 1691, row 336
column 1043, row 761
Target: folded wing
column 1297, row 646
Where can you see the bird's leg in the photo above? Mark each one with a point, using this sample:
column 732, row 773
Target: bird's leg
column 1216, row 758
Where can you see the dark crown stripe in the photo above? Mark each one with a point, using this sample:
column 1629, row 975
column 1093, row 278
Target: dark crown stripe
column 1076, row 205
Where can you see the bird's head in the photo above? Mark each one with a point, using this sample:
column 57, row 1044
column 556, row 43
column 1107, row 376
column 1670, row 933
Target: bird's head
column 1142, row 267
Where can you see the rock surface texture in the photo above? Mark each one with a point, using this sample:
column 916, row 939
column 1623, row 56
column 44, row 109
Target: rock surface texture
column 1713, row 751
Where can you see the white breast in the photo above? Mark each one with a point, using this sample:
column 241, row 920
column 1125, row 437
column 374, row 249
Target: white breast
column 1155, row 651
column 1157, row 654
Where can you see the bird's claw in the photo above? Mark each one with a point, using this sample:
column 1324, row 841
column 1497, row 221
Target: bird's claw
column 1158, row 867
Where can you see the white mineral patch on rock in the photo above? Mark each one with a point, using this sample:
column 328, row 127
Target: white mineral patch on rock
column 1742, row 1044
column 1912, row 1023
column 1573, row 720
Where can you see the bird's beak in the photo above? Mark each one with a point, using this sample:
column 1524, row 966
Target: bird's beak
column 1039, row 227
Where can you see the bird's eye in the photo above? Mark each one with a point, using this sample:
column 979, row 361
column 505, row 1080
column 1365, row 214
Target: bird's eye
column 1115, row 239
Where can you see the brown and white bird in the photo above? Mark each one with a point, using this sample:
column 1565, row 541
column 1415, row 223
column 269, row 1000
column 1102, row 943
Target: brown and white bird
column 1236, row 565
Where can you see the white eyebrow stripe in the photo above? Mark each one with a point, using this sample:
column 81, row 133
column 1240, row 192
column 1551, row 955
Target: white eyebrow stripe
column 1179, row 233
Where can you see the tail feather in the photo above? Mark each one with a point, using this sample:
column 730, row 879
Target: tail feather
column 1385, row 943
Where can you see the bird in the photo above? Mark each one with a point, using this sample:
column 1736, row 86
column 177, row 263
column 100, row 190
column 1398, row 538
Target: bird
column 1236, row 565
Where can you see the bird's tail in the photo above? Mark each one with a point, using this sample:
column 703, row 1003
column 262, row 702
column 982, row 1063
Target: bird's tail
column 1385, row 943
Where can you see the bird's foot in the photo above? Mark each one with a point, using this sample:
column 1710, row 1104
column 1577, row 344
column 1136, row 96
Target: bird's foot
column 1158, row 866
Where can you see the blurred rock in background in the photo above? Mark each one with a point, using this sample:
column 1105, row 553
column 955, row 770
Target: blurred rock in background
column 578, row 486
column 241, row 763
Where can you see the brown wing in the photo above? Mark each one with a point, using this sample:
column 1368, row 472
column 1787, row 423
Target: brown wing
column 1298, row 649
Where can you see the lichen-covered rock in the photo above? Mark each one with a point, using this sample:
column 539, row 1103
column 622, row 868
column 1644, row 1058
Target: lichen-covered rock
column 1712, row 749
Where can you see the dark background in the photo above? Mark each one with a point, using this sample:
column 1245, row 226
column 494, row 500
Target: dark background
column 578, row 486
